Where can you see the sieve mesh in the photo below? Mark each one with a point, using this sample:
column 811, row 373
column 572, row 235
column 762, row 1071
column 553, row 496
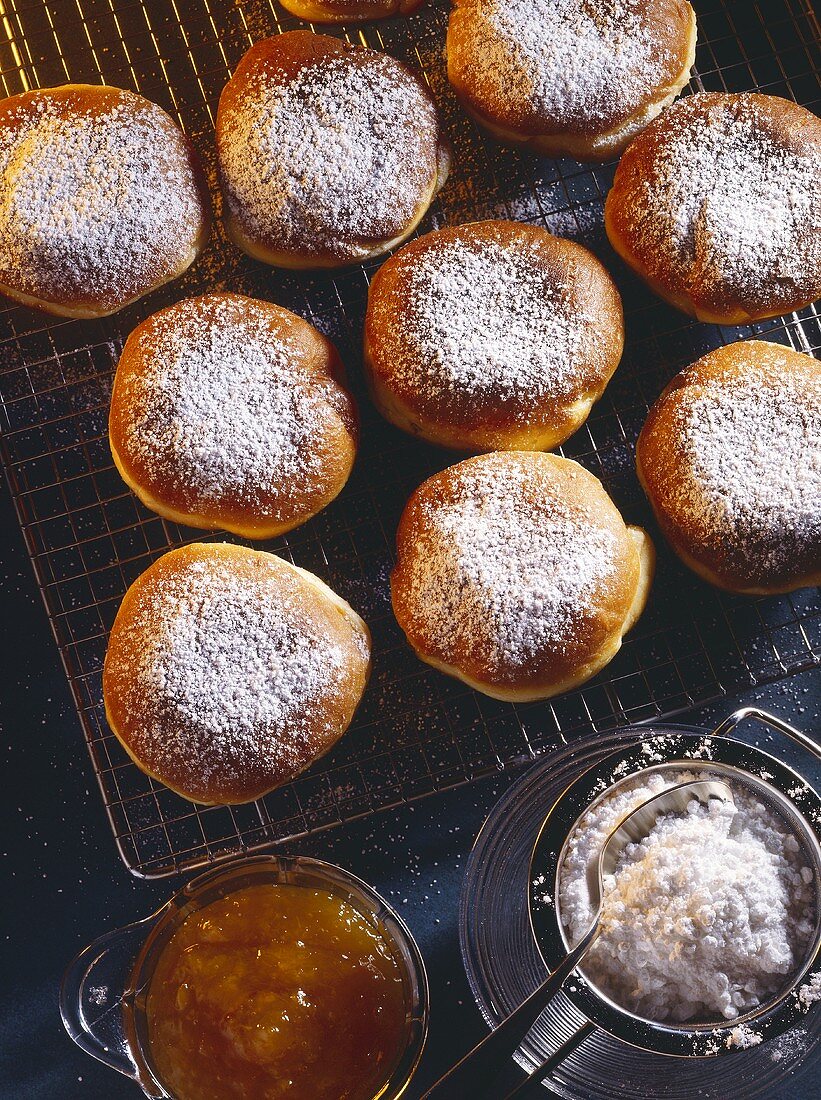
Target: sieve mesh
column 504, row 965
column 784, row 810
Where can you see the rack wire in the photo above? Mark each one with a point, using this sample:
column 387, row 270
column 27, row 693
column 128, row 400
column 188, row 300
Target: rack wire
column 417, row 731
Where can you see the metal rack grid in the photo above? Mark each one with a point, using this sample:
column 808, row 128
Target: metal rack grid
column 417, row 731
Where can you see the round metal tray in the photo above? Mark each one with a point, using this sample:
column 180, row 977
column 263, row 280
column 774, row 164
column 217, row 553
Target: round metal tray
column 504, row 965
column 795, row 801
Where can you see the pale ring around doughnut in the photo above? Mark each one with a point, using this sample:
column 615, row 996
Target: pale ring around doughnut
column 349, row 11
column 730, row 460
column 329, row 153
column 232, row 412
column 570, row 78
column 717, row 207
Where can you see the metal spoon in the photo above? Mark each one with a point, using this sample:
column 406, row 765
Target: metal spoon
column 476, row 1070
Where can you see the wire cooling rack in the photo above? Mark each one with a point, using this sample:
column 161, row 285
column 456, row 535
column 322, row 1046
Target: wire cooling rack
column 416, row 731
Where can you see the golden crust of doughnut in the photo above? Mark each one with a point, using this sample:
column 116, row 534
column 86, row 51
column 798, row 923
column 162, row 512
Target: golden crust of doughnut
column 666, row 462
column 670, row 27
column 91, row 100
column 349, row 11
column 588, row 642
column 280, row 59
column 133, row 714
column 275, row 508
column 790, row 127
column 525, row 420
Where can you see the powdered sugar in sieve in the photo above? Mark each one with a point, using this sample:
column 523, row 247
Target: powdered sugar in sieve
column 707, row 918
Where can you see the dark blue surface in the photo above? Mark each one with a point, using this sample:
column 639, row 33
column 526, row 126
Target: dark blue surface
column 64, row 883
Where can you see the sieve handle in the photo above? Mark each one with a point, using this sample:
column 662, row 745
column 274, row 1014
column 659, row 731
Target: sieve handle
column 474, row 1074
column 536, row 1085
column 768, row 719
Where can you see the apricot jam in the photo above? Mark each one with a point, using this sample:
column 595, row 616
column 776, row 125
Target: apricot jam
column 276, row 991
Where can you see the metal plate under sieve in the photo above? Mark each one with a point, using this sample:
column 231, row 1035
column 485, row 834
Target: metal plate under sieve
column 780, row 788
column 503, row 963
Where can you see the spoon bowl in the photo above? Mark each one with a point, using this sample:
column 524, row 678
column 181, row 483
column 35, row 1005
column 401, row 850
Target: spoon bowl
column 640, row 823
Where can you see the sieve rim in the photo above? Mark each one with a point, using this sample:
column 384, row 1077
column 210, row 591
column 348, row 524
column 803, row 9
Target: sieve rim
column 798, row 801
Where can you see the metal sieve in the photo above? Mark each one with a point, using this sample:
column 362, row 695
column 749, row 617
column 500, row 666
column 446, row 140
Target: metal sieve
column 780, row 788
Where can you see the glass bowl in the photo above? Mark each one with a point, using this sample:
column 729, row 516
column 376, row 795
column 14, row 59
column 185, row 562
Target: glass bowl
column 102, row 997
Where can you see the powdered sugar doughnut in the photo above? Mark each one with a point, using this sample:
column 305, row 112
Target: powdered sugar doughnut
column 102, row 199
column 492, row 336
column 349, row 11
column 229, row 671
column 329, row 153
column 576, row 78
column 730, row 459
column 718, row 207
column 516, row 573
column 228, row 412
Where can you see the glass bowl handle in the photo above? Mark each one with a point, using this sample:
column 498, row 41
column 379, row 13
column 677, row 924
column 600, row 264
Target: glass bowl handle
column 91, row 999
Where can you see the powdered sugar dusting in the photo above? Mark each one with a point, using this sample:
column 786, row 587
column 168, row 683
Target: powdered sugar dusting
column 231, row 674
column 743, row 1037
column 706, row 918
column 729, row 206
column 338, row 155
column 809, row 992
column 221, row 411
column 749, row 478
column 588, row 63
column 95, row 206
column 482, row 320
column 501, row 576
